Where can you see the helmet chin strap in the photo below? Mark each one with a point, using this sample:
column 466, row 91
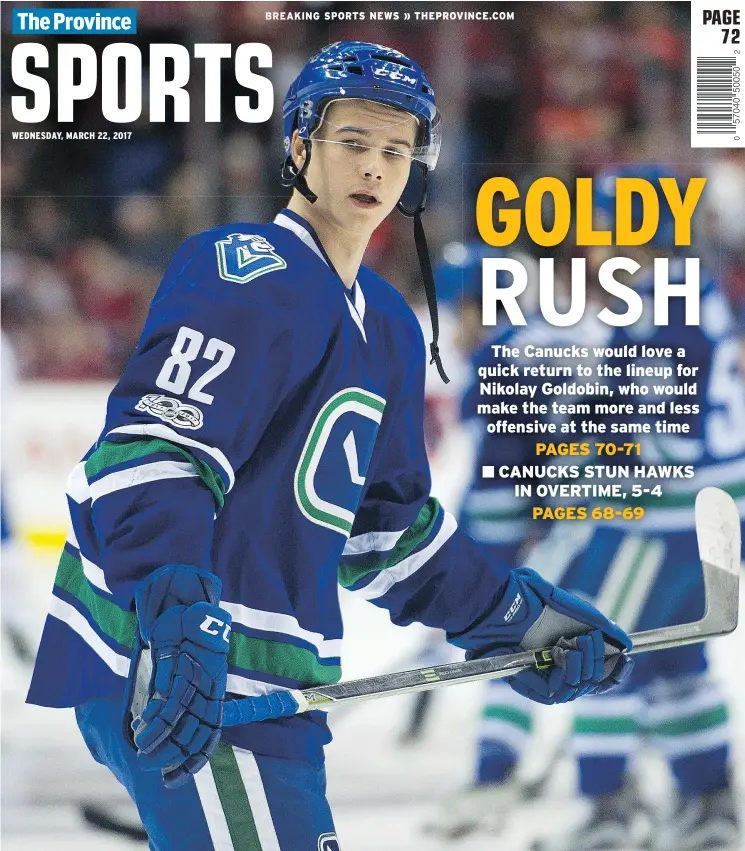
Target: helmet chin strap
column 300, row 182
column 425, row 265
column 420, row 240
column 297, row 180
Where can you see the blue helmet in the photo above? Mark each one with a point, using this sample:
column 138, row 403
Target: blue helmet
column 359, row 69
column 604, row 199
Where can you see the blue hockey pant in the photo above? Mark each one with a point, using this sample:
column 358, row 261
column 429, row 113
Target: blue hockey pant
column 240, row 801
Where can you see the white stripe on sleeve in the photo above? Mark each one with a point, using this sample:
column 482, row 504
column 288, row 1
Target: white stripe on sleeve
column 140, row 475
column 166, row 433
column 388, row 577
column 285, row 624
column 63, row 611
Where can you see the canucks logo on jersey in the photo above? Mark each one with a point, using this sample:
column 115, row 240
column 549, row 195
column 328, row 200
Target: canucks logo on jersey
column 244, row 256
column 341, row 439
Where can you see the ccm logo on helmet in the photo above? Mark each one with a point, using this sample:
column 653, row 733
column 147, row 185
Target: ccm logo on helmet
column 209, row 623
column 394, row 74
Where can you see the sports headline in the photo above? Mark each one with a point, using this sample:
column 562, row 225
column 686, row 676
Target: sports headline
column 637, row 215
column 116, row 77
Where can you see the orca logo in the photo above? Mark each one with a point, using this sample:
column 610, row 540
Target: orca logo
column 328, row 842
column 241, row 257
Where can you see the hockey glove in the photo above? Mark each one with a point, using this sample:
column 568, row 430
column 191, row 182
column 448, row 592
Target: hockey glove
column 534, row 614
column 178, row 678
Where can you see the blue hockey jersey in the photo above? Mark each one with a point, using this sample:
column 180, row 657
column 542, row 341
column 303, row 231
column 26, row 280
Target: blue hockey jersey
column 268, row 427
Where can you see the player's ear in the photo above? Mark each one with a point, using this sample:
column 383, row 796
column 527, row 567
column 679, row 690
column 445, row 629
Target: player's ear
column 298, row 150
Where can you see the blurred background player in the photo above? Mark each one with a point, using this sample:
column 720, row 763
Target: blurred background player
column 494, row 515
column 462, row 333
column 648, row 575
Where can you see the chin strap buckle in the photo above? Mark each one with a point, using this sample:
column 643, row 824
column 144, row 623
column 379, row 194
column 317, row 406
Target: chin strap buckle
column 434, row 350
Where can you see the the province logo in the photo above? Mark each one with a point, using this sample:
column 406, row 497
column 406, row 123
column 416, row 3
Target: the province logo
column 328, row 842
column 172, row 411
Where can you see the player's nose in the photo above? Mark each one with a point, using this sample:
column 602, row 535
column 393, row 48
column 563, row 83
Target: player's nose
column 371, row 166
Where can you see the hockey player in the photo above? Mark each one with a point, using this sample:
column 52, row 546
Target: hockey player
column 649, row 575
column 264, row 444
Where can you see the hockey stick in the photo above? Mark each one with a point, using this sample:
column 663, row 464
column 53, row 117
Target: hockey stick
column 718, row 535
column 101, row 817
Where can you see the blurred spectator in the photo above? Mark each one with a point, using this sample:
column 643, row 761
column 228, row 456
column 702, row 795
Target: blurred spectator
column 100, row 278
column 71, row 348
column 35, row 286
column 142, row 231
column 243, row 187
column 187, row 192
column 586, row 85
column 47, row 228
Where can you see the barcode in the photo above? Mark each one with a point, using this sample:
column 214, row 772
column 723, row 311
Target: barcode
column 715, row 94
column 716, row 74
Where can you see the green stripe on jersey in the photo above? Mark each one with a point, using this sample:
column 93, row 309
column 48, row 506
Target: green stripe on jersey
column 248, row 652
column 280, row 659
column 111, row 620
column 606, row 726
column 110, row 454
column 633, row 572
column 493, row 515
column 234, row 799
column 705, row 720
column 510, row 714
column 419, row 531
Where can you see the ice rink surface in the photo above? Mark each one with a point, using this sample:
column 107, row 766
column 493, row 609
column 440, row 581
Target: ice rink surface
column 382, row 793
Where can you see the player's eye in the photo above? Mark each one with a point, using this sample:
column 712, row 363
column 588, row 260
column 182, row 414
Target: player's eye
column 354, row 144
column 393, row 152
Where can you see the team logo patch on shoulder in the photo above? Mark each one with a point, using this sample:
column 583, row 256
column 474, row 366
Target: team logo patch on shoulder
column 244, row 256
column 172, row 411
column 328, row 842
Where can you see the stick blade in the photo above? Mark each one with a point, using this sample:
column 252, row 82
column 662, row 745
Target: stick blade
column 718, row 535
column 718, row 529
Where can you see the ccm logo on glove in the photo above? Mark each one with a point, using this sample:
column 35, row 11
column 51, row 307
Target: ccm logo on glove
column 206, row 626
column 513, row 609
